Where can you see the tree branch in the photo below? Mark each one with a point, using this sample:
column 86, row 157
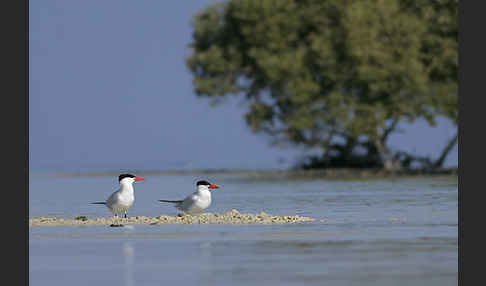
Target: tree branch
column 388, row 130
column 440, row 161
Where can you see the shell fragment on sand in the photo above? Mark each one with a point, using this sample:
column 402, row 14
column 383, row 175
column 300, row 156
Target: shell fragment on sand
column 230, row 217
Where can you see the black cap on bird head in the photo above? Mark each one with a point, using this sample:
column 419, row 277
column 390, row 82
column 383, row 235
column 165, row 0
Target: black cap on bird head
column 204, row 183
column 123, row 176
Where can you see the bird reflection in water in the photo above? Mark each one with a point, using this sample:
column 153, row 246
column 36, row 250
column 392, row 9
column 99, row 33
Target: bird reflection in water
column 129, row 263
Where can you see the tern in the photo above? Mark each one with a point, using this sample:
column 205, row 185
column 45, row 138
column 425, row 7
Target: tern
column 121, row 200
column 196, row 202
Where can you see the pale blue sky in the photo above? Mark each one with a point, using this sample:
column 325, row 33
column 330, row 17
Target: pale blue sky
column 109, row 89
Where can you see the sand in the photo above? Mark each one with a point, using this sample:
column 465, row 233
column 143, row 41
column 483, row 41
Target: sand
column 230, row 217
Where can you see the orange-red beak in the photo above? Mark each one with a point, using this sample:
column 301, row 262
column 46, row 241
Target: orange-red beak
column 138, row 179
column 213, row 186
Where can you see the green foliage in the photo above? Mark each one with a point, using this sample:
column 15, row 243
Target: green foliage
column 314, row 72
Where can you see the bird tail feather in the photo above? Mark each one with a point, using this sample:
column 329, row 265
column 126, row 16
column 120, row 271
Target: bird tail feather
column 174, row 202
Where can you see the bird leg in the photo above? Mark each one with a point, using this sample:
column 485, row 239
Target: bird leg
column 115, row 222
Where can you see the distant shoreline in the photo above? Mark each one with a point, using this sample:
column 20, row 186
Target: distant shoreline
column 337, row 173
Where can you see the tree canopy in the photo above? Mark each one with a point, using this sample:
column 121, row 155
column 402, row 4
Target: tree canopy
column 332, row 74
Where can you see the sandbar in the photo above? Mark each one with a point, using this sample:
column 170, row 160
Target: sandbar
column 230, row 217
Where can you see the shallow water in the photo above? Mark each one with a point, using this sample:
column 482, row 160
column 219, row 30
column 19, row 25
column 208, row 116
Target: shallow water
column 367, row 232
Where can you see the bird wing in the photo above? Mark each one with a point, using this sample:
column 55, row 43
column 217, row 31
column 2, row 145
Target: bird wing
column 189, row 201
column 113, row 197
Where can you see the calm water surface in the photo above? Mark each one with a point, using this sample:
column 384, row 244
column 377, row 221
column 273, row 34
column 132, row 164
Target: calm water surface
column 367, row 232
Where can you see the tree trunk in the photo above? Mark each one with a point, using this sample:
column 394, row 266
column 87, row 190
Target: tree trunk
column 385, row 155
